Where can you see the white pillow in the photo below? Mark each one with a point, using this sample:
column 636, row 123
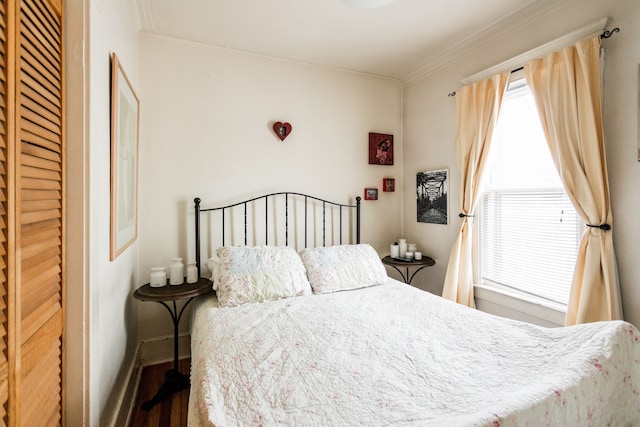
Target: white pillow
column 213, row 264
column 254, row 274
column 336, row 268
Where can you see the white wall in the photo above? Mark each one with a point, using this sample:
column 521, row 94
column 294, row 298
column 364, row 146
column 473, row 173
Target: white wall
column 428, row 124
column 206, row 131
column 113, row 314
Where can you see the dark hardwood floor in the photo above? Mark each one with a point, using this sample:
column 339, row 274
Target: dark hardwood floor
column 171, row 411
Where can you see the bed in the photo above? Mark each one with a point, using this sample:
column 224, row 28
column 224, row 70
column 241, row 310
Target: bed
column 322, row 336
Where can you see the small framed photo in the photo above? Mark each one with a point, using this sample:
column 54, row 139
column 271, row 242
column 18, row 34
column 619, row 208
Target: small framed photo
column 371, row 194
column 380, row 149
column 388, row 185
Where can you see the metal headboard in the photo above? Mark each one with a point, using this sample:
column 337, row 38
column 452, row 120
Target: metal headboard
column 306, row 199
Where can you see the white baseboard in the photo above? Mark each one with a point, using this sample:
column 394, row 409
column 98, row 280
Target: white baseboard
column 127, row 394
column 127, row 408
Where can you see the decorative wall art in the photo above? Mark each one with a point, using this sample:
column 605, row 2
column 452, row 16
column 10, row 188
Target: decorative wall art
column 282, row 130
column 371, row 194
column 125, row 110
column 388, row 185
column 380, row 149
column 432, row 190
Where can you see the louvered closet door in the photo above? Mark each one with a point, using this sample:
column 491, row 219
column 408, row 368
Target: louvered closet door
column 4, row 221
column 39, row 204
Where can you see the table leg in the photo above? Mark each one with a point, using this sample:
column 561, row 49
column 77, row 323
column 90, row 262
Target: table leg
column 405, row 277
column 175, row 381
column 414, row 273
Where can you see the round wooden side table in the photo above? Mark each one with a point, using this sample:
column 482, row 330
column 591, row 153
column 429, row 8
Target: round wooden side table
column 165, row 295
column 399, row 263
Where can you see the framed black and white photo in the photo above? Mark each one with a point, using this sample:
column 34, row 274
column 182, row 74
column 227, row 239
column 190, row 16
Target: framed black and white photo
column 432, row 190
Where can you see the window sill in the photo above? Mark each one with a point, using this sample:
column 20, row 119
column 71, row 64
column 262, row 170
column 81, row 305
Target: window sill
column 518, row 306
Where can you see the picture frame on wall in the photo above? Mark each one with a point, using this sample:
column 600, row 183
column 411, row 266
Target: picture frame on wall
column 432, row 190
column 371, row 194
column 125, row 118
column 380, row 149
column 388, row 185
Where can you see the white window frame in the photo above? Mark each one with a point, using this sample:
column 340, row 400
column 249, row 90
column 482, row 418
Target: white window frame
column 522, row 303
column 543, row 311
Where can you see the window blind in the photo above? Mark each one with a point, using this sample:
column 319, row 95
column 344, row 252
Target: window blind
column 529, row 230
column 529, row 241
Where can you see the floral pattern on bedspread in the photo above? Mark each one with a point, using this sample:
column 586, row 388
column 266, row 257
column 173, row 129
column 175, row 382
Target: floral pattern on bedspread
column 394, row 355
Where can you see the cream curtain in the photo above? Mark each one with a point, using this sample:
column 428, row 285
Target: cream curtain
column 477, row 109
column 566, row 86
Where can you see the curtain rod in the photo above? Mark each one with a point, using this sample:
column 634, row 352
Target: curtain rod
column 605, row 35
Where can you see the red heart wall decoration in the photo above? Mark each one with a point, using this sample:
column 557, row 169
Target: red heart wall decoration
column 282, row 130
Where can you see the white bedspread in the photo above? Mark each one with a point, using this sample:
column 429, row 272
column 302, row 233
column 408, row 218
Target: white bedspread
column 395, row 355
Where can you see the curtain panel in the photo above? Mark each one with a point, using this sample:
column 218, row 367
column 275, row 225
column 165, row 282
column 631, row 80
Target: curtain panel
column 477, row 110
column 566, row 87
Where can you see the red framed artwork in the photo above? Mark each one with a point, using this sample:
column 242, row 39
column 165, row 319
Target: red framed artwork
column 380, row 149
column 388, row 185
column 371, row 194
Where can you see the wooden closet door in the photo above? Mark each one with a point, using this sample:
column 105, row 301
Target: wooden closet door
column 4, row 221
column 39, row 212
column 31, row 213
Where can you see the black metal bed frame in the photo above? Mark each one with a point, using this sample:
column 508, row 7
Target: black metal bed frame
column 286, row 194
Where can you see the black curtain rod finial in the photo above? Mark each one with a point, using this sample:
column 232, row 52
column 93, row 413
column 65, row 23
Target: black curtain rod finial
column 609, row 33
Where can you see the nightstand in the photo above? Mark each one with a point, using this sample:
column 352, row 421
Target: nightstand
column 418, row 264
column 175, row 381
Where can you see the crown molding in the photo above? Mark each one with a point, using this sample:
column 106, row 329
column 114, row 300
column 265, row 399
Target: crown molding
column 488, row 36
column 591, row 30
column 366, row 4
column 140, row 12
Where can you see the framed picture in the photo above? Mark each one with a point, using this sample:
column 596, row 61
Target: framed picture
column 371, row 194
column 388, row 185
column 380, row 149
column 125, row 114
column 432, row 189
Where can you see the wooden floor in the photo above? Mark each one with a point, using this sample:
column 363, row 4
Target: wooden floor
column 170, row 412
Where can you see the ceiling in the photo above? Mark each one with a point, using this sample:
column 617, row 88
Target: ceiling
column 391, row 41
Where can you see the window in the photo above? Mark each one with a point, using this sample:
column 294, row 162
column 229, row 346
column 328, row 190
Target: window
column 529, row 230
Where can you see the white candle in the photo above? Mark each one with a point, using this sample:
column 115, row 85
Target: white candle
column 395, row 251
column 403, row 248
